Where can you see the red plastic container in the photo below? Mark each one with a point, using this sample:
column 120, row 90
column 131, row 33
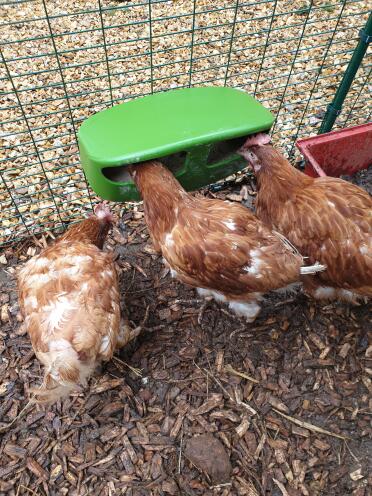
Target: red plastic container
column 337, row 153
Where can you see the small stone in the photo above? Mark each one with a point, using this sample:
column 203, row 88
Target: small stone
column 209, row 455
column 356, row 475
column 313, row 120
column 138, row 215
column 4, row 314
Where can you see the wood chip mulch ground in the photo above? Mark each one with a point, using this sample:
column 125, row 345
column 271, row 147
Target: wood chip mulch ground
column 202, row 403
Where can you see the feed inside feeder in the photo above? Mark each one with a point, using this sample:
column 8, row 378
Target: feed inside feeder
column 194, row 131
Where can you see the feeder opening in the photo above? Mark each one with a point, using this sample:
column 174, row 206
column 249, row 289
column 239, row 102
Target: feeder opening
column 120, row 174
column 222, row 149
column 117, row 174
column 174, row 162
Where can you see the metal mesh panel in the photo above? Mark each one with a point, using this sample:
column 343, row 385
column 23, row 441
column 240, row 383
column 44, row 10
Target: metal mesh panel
column 63, row 61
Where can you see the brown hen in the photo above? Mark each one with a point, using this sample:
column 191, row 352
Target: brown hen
column 217, row 246
column 327, row 219
column 69, row 298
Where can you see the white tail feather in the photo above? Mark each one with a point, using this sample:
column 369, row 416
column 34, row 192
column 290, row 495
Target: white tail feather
column 312, row 269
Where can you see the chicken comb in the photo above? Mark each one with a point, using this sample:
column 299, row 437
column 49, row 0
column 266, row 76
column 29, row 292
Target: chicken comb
column 103, row 212
column 259, row 139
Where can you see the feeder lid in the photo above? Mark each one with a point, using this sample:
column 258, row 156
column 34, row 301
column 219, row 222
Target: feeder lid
column 165, row 123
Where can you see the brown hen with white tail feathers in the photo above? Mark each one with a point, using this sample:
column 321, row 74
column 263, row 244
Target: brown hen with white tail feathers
column 69, row 298
column 328, row 220
column 219, row 247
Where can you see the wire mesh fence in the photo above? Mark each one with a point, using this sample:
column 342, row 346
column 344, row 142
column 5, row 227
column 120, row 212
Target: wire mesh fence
column 63, row 61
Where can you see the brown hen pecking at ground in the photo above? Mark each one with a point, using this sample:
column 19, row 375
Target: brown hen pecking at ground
column 69, row 298
column 327, row 219
column 219, row 247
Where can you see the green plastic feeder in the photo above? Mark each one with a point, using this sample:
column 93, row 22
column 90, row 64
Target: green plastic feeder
column 193, row 131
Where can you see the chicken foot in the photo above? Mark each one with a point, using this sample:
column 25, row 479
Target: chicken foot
column 127, row 333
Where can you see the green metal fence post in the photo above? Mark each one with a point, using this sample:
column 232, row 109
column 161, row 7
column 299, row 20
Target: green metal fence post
column 334, row 108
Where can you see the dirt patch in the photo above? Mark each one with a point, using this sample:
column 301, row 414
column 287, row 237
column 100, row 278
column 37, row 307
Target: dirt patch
column 362, row 178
